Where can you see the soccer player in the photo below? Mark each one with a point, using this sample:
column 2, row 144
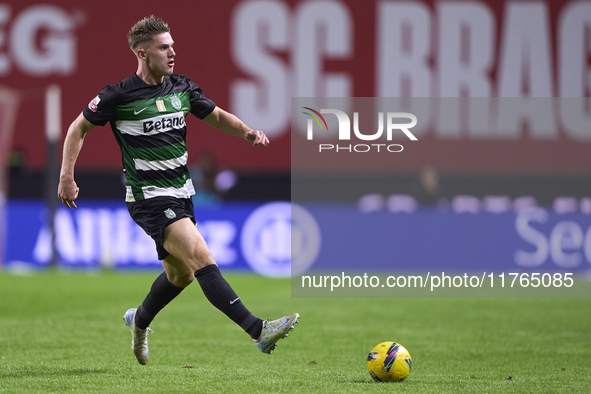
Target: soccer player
column 147, row 113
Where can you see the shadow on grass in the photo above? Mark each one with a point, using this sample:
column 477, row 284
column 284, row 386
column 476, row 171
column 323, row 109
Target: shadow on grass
column 30, row 372
column 370, row 382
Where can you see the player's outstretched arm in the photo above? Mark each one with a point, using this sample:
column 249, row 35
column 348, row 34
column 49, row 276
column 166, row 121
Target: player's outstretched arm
column 230, row 124
column 67, row 190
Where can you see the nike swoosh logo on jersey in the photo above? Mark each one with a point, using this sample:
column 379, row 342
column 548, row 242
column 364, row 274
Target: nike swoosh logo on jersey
column 233, row 301
column 138, row 112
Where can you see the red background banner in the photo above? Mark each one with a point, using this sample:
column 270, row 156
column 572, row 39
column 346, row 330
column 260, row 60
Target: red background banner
column 251, row 57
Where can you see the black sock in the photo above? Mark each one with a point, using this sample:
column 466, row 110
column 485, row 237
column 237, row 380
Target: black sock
column 221, row 295
column 161, row 293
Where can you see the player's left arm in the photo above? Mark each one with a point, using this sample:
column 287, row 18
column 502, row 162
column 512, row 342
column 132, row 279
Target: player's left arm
column 230, row 124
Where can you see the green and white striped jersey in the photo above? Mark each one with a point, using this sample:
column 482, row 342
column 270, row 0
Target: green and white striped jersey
column 149, row 124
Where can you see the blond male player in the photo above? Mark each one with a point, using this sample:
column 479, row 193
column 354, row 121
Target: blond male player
column 147, row 114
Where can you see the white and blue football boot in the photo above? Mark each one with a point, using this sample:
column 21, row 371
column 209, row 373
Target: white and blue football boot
column 139, row 337
column 275, row 330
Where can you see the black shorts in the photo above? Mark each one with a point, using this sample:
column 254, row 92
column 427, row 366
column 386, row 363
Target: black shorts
column 155, row 214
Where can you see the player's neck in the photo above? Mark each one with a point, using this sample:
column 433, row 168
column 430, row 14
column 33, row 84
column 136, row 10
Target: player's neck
column 149, row 77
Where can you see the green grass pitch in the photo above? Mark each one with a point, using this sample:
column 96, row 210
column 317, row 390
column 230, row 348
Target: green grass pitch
column 64, row 332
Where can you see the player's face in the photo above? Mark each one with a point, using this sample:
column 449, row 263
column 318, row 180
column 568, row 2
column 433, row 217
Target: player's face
column 160, row 55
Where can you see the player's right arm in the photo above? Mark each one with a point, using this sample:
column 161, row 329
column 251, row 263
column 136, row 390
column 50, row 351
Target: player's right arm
column 67, row 190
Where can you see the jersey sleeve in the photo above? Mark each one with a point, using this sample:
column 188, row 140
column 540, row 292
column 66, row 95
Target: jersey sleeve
column 201, row 106
column 102, row 108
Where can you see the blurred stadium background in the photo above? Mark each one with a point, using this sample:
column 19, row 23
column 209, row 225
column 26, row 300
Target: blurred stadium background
column 251, row 57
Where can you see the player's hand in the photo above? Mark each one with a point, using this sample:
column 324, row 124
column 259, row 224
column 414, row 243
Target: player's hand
column 67, row 191
column 257, row 137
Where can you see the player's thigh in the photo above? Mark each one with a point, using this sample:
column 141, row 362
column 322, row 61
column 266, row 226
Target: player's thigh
column 177, row 272
column 184, row 241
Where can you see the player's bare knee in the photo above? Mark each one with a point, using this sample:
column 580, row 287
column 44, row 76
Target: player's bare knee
column 201, row 259
column 202, row 263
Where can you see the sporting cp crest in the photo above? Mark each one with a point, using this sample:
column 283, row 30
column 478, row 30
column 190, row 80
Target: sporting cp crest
column 170, row 213
column 176, row 102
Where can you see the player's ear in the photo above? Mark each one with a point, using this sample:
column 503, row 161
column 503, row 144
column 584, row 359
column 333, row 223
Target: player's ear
column 141, row 53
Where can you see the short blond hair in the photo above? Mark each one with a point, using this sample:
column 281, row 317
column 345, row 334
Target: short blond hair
column 145, row 29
